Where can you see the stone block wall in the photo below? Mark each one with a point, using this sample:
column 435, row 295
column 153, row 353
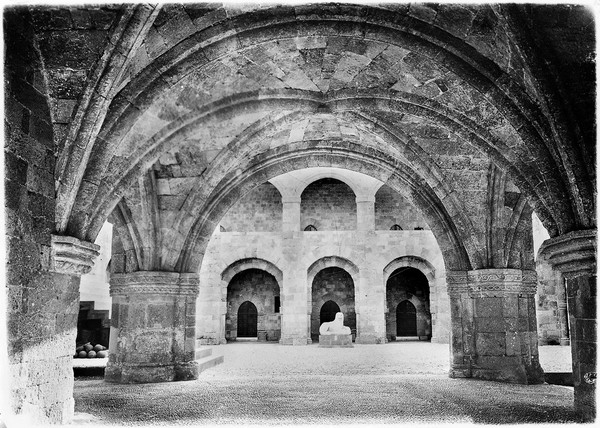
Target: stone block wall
column 258, row 211
column 293, row 253
column 391, row 209
column 42, row 306
column 260, row 288
column 330, row 204
column 335, row 284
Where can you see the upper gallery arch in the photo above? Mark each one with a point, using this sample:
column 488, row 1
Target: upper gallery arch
column 317, row 49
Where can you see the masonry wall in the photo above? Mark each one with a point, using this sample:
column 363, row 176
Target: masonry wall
column 41, row 306
column 260, row 288
column 328, row 204
column 335, row 284
column 391, row 209
column 294, row 253
column 258, row 211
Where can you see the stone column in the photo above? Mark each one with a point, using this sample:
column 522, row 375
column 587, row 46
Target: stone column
column 42, row 310
column 574, row 255
column 365, row 212
column 563, row 316
column 494, row 331
column 291, row 214
column 153, row 327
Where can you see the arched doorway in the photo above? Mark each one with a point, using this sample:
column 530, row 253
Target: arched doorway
column 260, row 289
column 247, row 322
column 407, row 297
column 328, row 311
column 332, row 292
column 406, row 319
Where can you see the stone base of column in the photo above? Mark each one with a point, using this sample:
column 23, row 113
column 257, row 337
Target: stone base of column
column 460, row 371
column 153, row 336
column 494, row 333
column 294, row 340
column 150, row 373
column 508, row 369
column 369, row 339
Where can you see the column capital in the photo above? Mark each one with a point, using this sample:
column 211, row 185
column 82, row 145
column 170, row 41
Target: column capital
column 490, row 282
column 72, row 256
column 291, row 199
column 154, row 282
column 573, row 254
column 362, row 198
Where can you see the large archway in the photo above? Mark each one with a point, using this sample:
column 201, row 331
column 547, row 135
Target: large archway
column 408, row 305
column 253, row 297
column 332, row 290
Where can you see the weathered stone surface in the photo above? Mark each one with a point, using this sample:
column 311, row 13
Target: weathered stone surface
column 72, row 256
column 152, row 327
column 574, row 255
column 494, row 334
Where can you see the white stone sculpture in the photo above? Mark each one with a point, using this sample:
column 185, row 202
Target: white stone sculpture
column 334, row 327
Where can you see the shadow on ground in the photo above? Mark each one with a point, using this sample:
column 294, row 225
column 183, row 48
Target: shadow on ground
column 271, row 384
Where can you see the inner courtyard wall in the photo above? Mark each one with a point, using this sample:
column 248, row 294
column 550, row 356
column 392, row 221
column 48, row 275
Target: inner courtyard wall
column 294, row 252
column 330, row 204
column 392, row 209
column 258, row 211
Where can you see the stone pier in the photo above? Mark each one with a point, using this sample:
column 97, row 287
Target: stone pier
column 574, row 255
column 494, row 332
column 153, row 332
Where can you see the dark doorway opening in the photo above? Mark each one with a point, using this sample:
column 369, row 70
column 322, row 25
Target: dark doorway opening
column 328, row 311
column 247, row 320
column 406, row 319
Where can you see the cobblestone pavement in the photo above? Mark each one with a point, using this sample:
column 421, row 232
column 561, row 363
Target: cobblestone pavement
column 403, row 382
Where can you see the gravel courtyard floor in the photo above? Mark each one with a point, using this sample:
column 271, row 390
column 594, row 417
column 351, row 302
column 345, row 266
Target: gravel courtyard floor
column 266, row 384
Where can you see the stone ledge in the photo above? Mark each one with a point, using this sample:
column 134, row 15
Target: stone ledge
column 154, row 282
column 489, row 282
column 72, row 256
column 573, row 254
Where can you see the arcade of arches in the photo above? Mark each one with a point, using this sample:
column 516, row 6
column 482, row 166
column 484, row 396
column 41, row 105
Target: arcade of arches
column 264, row 165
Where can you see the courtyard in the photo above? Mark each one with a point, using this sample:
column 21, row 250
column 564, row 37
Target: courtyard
column 270, row 384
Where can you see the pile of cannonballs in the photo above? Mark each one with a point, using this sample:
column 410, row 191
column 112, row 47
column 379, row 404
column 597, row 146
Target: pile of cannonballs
column 91, row 351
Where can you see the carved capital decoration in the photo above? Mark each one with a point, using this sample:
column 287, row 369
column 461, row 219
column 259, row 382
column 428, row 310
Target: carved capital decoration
column 154, row 282
column 573, row 254
column 72, row 256
column 491, row 282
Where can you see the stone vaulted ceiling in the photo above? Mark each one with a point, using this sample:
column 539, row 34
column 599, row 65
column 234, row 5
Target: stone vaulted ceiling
column 165, row 116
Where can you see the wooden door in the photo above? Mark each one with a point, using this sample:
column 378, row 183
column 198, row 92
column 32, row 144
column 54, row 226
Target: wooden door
column 247, row 320
column 406, row 319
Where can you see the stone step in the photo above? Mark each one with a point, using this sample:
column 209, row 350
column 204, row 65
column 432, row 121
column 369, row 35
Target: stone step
column 203, row 352
column 208, row 362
